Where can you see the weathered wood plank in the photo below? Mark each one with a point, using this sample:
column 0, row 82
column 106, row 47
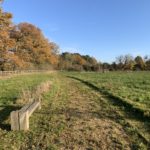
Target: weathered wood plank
column 24, row 108
column 24, row 121
column 15, row 120
column 33, row 107
column 20, row 119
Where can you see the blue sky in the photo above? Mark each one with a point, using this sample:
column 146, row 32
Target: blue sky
column 104, row 29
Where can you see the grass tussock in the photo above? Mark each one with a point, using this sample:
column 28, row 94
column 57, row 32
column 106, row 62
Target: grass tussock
column 27, row 96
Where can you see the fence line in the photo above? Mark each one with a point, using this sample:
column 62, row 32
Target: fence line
column 5, row 73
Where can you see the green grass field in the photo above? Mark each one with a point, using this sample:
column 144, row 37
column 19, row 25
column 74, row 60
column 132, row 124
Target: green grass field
column 80, row 111
column 131, row 87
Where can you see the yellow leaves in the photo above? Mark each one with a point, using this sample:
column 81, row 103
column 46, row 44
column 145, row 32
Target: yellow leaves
column 4, row 34
column 54, row 59
column 6, row 43
column 78, row 59
column 8, row 15
column 34, row 44
column 24, row 45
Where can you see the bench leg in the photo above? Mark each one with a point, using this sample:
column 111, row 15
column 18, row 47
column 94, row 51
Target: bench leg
column 14, row 120
column 24, row 121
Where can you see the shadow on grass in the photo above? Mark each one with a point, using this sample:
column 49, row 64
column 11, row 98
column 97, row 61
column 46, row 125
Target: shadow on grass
column 131, row 112
column 136, row 112
column 5, row 111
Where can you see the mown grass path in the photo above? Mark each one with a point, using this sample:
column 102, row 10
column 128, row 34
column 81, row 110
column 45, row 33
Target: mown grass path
column 90, row 122
column 74, row 116
column 96, row 122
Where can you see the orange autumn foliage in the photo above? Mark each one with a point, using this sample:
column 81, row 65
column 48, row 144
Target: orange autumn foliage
column 32, row 46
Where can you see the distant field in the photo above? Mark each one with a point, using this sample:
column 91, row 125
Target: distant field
column 131, row 87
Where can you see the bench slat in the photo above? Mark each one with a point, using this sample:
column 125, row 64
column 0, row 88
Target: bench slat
column 33, row 107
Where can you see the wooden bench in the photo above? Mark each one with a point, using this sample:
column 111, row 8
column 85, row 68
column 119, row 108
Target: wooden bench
column 20, row 118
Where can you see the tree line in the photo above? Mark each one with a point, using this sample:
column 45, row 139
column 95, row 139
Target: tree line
column 128, row 62
column 24, row 47
column 77, row 62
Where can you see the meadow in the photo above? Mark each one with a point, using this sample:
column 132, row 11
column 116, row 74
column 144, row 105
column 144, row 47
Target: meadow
column 132, row 87
column 83, row 110
column 129, row 91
